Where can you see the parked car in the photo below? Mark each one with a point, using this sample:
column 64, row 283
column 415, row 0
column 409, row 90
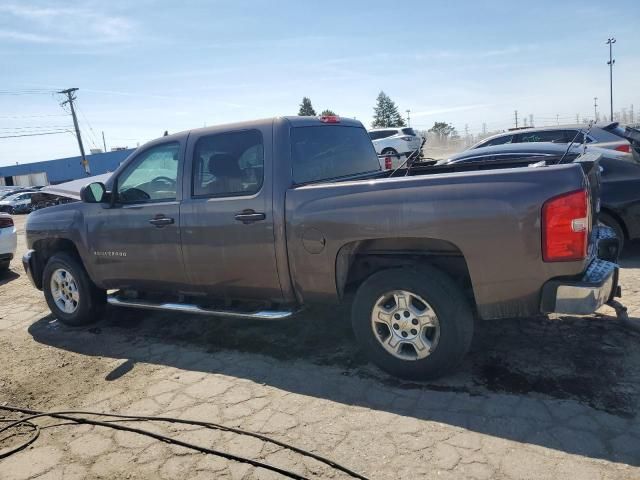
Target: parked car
column 257, row 220
column 602, row 135
column 620, row 196
column 17, row 203
column 395, row 143
column 8, row 241
column 10, row 191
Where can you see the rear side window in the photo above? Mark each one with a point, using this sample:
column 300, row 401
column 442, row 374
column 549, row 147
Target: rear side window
column 331, row 151
column 228, row 164
column 409, row 131
column 376, row 135
column 555, row 136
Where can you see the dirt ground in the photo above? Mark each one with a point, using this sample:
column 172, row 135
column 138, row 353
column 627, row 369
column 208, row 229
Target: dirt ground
column 537, row 398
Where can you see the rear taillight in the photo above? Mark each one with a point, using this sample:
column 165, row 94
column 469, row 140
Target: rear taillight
column 387, row 163
column 624, row 148
column 6, row 222
column 565, row 227
column 407, row 139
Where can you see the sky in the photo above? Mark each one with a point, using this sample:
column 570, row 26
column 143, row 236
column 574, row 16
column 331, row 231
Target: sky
column 147, row 66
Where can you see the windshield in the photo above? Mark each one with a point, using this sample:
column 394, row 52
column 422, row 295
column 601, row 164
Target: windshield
column 331, row 151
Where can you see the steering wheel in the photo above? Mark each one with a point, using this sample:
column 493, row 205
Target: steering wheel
column 163, row 179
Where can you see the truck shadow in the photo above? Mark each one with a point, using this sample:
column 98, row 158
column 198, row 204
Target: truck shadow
column 557, row 383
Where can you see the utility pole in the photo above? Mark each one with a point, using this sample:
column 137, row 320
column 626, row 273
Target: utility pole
column 516, row 115
column 70, row 98
column 531, row 119
column 408, row 118
column 611, row 63
column 104, row 144
column 577, row 118
column 557, row 119
column 595, row 109
column 633, row 119
column 484, row 128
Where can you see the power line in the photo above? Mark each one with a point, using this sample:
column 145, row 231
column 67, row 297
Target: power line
column 34, row 134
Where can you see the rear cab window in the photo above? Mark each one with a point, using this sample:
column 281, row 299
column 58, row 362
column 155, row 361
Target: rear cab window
column 328, row 152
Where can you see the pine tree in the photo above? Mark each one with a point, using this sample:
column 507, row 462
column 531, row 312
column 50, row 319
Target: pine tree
column 386, row 113
column 328, row 113
column 306, row 109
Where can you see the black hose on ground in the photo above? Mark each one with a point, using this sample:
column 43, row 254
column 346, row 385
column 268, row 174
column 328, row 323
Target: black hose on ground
column 71, row 416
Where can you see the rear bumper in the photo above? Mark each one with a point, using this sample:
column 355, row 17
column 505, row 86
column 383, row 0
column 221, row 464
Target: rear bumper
column 598, row 285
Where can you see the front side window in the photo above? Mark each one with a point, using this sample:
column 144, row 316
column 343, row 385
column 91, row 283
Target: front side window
column 228, row 164
column 152, row 177
column 505, row 139
column 409, row 131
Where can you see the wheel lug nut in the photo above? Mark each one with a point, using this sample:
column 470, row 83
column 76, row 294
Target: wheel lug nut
column 396, row 326
column 397, row 316
column 414, row 321
column 404, row 334
column 406, row 314
column 414, row 331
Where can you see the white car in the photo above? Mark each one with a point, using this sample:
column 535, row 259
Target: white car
column 394, row 143
column 8, row 240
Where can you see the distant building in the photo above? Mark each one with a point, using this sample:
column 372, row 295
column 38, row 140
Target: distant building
column 52, row 172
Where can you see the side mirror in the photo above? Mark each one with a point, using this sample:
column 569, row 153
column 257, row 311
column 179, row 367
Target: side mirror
column 93, row 193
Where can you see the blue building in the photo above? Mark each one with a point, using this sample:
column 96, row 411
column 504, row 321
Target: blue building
column 51, row 172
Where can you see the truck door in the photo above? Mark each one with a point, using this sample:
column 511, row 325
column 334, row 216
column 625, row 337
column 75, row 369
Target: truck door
column 226, row 215
column 136, row 242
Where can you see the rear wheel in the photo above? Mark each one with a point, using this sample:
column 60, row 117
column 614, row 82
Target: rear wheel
column 389, row 151
column 413, row 323
column 71, row 295
column 612, row 223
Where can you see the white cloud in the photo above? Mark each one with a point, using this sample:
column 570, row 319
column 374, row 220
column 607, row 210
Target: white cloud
column 25, row 23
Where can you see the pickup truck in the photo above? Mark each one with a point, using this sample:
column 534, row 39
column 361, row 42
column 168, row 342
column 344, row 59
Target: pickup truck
column 257, row 220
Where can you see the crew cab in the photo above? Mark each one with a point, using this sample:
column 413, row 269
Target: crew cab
column 257, row 220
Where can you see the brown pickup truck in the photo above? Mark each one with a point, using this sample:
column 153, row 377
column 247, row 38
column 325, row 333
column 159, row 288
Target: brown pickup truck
column 256, row 220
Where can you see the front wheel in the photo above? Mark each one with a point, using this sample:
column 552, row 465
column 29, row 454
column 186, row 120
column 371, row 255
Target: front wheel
column 71, row 295
column 413, row 323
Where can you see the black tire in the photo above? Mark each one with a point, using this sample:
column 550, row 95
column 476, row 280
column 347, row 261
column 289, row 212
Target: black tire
column 612, row 223
column 389, row 151
column 91, row 301
column 445, row 298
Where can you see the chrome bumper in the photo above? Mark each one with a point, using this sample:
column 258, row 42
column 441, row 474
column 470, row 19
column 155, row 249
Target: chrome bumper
column 598, row 285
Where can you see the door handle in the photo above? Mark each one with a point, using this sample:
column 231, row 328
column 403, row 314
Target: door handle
column 161, row 221
column 248, row 216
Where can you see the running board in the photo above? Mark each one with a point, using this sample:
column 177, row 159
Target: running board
column 191, row 308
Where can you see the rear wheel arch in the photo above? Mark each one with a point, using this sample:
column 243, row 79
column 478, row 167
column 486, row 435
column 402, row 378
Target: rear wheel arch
column 357, row 261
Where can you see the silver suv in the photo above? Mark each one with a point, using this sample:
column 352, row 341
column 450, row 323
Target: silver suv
column 601, row 134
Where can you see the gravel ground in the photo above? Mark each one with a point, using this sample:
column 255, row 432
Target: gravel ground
column 537, row 398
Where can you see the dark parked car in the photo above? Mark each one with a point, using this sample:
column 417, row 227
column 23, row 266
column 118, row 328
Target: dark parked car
column 257, row 220
column 620, row 196
column 605, row 135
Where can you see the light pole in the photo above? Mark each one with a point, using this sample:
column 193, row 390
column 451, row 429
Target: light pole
column 595, row 109
column 611, row 63
column 408, row 118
